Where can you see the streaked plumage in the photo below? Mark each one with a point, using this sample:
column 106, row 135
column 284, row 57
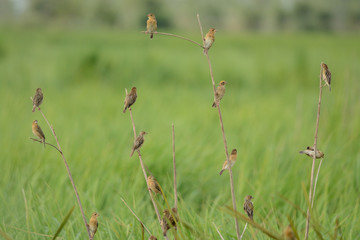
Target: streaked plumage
column 151, row 24
column 219, row 93
column 209, row 40
column 93, row 224
column 289, row 233
column 326, row 75
column 168, row 220
column 152, row 238
column 153, row 185
column 310, row 152
column 37, row 99
column 37, row 131
column 232, row 160
column 130, row 99
column 249, row 207
column 138, row 142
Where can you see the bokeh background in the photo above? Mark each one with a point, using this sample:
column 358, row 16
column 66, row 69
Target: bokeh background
column 84, row 54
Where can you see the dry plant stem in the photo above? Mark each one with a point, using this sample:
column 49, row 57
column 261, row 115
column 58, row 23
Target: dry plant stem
column 222, row 238
column 313, row 164
column 316, row 179
column 177, row 36
column 224, row 136
column 70, row 176
column 36, row 140
column 174, row 166
column 243, row 231
column 136, row 216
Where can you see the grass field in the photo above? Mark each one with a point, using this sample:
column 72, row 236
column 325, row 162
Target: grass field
column 269, row 115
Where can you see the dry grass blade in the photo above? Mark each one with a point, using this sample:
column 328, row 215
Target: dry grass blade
column 63, row 223
column 242, row 234
column 222, row 238
column 36, row 140
column 177, row 36
column 4, row 235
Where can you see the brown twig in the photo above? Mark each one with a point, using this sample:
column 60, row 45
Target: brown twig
column 223, row 134
column 313, row 163
column 174, row 166
column 36, row 140
column 222, row 238
column 69, row 173
column 177, row 36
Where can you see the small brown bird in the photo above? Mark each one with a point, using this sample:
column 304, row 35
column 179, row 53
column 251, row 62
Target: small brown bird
column 153, row 185
column 152, row 238
column 37, row 99
column 219, row 93
column 289, row 233
column 37, row 131
column 249, row 207
column 232, row 160
column 93, row 224
column 209, row 40
column 138, row 142
column 130, row 99
column 326, row 75
column 168, row 220
column 310, row 152
column 151, row 25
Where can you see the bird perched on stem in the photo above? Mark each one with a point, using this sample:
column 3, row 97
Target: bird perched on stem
column 37, row 99
column 289, row 233
column 168, row 220
column 209, row 40
column 130, row 99
column 219, row 93
column 138, row 142
column 37, row 131
column 326, row 75
column 151, row 24
column 249, row 207
column 310, row 152
column 153, row 185
column 232, row 160
column 93, row 224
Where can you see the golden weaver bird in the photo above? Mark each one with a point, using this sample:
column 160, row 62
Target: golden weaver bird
column 37, row 131
column 310, row 152
column 219, row 93
column 168, row 220
column 93, row 224
column 152, row 238
column 153, row 185
column 326, row 75
column 37, row 99
column 130, row 99
column 138, row 142
column 289, row 233
column 249, row 207
column 232, row 160
column 151, row 24
column 209, row 40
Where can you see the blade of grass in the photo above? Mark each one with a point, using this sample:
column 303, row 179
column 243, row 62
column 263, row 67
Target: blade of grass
column 63, row 223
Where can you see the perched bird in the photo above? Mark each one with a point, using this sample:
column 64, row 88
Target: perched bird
column 326, row 75
column 249, row 207
column 152, row 238
column 232, row 160
column 36, row 129
column 209, row 40
column 37, row 99
column 93, row 224
column 219, row 93
column 138, row 142
column 153, row 185
column 310, row 152
column 151, row 24
column 168, row 220
column 130, row 99
column 289, row 233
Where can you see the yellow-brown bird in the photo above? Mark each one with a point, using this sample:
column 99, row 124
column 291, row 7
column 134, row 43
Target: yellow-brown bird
column 249, row 207
column 326, row 75
column 219, row 93
column 37, row 99
column 153, row 185
column 130, row 99
column 151, row 25
column 289, row 233
column 93, row 224
column 37, row 131
column 168, row 220
column 152, row 238
column 232, row 160
column 310, row 152
column 138, row 142
column 209, row 40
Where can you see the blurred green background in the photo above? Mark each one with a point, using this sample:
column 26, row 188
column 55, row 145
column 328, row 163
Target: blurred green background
column 83, row 56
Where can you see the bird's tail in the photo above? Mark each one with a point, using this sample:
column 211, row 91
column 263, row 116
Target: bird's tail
column 132, row 152
column 124, row 109
column 205, row 51
column 151, row 35
column 214, row 105
column 34, row 107
column 221, row 172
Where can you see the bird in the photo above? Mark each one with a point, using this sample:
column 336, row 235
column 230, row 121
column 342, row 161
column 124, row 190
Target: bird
column 138, row 142
column 151, row 24
column 169, row 220
column 326, row 75
column 93, row 224
column 310, row 152
column 153, row 185
column 37, row 131
column 220, row 92
column 232, row 160
column 289, row 233
column 248, row 206
column 152, row 237
column 37, row 99
column 130, row 99
column 209, row 40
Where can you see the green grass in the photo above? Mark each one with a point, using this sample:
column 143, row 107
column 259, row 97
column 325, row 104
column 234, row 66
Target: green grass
column 269, row 115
